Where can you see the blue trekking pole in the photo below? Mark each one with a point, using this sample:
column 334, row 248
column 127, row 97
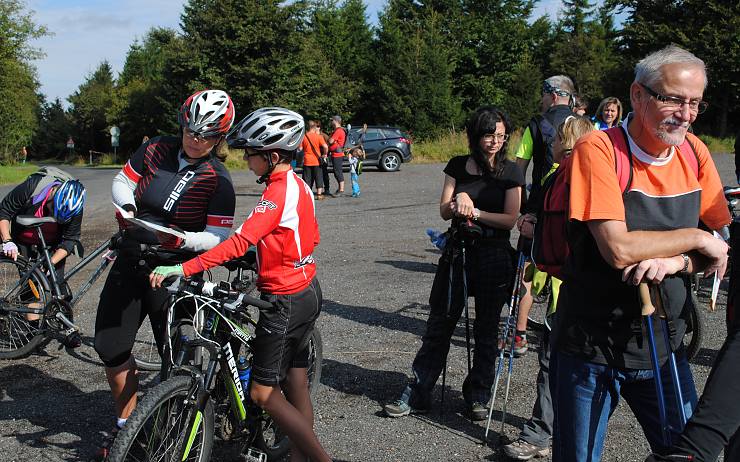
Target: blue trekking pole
column 648, row 309
column 509, row 327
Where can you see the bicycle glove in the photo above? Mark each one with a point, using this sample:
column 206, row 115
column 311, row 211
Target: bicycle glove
column 167, row 271
column 10, row 249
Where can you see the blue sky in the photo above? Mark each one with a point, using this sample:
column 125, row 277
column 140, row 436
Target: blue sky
column 88, row 31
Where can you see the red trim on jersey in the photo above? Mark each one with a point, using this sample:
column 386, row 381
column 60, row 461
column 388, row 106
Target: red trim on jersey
column 130, row 173
column 220, row 220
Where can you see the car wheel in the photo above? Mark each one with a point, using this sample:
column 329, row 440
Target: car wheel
column 390, row 162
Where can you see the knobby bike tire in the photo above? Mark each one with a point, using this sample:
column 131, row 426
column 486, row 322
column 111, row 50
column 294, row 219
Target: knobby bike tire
column 18, row 338
column 694, row 328
column 159, row 426
column 315, row 359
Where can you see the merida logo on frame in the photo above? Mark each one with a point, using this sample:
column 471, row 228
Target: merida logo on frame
column 175, row 194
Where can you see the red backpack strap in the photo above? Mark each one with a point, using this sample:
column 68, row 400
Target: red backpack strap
column 693, row 158
column 622, row 156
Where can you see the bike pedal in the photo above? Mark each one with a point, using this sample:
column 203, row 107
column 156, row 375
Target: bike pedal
column 255, row 455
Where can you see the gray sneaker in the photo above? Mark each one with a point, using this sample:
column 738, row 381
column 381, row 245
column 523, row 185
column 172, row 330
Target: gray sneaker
column 522, row 450
column 478, row 411
column 401, row 406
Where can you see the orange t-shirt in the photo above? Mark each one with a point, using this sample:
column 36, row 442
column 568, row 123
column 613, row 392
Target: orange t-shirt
column 311, row 155
column 594, row 187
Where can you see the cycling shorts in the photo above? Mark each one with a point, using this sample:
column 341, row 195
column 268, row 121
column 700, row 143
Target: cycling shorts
column 281, row 341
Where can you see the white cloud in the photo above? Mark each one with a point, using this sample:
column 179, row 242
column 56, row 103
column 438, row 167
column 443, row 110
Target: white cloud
column 88, row 32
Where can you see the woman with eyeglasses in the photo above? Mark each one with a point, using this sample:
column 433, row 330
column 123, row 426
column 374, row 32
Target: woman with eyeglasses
column 481, row 195
column 175, row 182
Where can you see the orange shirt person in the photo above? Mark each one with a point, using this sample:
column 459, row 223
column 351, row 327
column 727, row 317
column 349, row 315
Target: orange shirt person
column 313, row 146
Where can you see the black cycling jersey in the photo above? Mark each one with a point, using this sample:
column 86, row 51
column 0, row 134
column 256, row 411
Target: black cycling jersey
column 200, row 194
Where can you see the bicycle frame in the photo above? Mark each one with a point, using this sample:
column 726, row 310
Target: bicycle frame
column 214, row 331
column 56, row 283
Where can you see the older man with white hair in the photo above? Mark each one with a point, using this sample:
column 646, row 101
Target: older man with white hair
column 638, row 226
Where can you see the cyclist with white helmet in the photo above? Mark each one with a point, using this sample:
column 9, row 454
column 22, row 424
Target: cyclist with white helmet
column 283, row 226
column 176, row 182
column 42, row 195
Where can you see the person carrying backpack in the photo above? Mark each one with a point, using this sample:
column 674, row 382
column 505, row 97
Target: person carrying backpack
column 50, row 192
column 536, row 146
column 620, row 237
column 534, row 438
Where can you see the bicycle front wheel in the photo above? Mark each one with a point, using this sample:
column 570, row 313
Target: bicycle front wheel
column 18, row 335
column 166, row 425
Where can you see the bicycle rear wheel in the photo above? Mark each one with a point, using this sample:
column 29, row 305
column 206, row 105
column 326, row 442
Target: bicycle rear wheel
column 145, row 350
column 694, row 328
column 167, row 426
column 18, row 335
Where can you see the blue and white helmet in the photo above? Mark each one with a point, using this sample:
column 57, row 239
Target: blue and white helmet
column 69, row 199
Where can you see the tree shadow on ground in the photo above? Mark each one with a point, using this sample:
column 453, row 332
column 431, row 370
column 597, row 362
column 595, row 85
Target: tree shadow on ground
column 403, row 320
column 415, row 266
column 57, row 407
column 385, row 386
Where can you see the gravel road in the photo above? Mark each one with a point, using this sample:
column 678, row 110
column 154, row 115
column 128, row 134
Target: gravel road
column 376, row 268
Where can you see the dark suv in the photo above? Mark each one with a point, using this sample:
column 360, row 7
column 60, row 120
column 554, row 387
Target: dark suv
column 385, row 147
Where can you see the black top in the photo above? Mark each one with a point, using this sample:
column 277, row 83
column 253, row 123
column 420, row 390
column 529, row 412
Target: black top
column 198, row 195
column 488, row 193
column 19, row 201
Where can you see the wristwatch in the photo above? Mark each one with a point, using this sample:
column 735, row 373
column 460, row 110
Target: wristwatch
column 685, row 263
column 476, row 214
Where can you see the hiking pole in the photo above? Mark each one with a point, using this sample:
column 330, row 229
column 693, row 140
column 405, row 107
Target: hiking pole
column 465, row 301
column 648, row 309
column 672, row 366
column 444, row 366
column 499, row 367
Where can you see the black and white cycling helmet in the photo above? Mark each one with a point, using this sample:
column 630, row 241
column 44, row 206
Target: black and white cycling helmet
column 207, row 113
column 268, row 128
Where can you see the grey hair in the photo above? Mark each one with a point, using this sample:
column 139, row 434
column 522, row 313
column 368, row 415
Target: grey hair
column 648, row 69
column 562, row 82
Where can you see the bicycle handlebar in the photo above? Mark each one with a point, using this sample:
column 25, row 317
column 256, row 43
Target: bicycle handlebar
column 230, row 299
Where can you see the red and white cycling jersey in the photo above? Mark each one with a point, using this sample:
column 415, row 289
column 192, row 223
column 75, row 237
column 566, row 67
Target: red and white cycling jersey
column 283, row 226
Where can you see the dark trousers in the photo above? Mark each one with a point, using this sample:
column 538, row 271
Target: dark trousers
column 538, row 429
column 324, row 164
column 337, row 163
column 311, row 175
column 716, row 419
column 489, row 273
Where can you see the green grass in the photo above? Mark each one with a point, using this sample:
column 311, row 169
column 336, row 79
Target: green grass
column 726, row 145
column 14, row 174
column 453, row 144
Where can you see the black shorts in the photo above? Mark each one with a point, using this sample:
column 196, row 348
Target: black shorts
column 281, row 341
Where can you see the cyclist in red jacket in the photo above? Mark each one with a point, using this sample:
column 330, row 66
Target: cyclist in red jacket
column 283, row 227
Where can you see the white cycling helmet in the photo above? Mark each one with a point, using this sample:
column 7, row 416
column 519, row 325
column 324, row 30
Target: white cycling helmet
column 268, row 128
column 207, row 113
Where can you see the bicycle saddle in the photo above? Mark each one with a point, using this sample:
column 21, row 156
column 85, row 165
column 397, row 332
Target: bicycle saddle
column 31, row 221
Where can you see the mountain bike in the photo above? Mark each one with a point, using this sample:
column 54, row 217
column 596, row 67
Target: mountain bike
column 203, row 393
column 32, row 286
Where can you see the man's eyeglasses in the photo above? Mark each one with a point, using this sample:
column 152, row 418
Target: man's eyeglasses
column 673, row 103
column 199, row 138
column 496, row 136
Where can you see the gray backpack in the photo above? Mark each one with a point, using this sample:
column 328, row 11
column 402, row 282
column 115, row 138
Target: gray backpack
column 49, row 175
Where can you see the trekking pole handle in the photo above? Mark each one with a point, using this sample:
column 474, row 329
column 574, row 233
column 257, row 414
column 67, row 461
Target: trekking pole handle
column 647, row 305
